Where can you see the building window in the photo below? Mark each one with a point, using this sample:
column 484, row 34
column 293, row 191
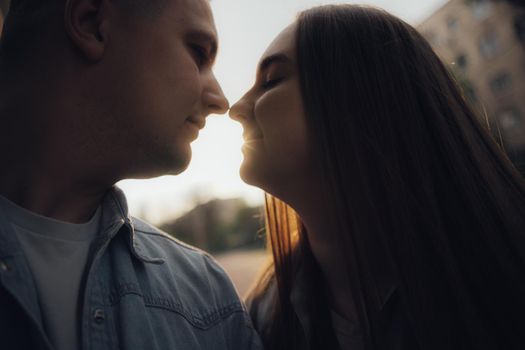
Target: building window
column 461, row 62
column 519, row 26
column 500, row 83
column 480, row 8
column 452, row 24
column 510, row 121
column 489, row 44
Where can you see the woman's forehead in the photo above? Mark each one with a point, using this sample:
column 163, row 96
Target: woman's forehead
column 284, row 43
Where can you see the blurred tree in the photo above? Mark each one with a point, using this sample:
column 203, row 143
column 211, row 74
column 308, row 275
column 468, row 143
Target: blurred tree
column 219, row 225
column 520, row 3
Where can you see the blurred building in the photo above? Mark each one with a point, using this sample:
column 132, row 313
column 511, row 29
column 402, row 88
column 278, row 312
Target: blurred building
column 484, row 42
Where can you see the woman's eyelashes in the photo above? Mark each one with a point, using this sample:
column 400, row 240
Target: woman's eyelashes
column 270, row 83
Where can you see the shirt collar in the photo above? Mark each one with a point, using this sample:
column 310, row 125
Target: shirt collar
column 116, row 217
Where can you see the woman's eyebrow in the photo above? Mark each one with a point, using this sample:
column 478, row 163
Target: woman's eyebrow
column 267, row 61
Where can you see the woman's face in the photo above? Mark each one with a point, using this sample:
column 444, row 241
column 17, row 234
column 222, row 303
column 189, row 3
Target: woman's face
column 276, row 156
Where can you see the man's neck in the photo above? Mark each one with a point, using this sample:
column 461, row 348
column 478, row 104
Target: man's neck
column 52, row 196
column 46, row 167
column 49, row 179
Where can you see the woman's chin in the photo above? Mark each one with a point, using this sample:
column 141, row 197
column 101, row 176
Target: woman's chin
column 246, row 173
column 251, row 173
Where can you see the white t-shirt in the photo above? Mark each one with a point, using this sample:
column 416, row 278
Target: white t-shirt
column 57, row 254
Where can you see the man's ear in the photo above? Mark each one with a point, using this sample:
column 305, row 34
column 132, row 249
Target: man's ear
column 85, row 26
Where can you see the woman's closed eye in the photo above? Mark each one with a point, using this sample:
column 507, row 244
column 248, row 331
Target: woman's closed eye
column 270, row 83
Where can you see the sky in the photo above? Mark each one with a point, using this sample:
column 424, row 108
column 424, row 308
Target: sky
column 245, row 28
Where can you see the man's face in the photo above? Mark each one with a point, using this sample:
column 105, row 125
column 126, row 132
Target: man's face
column 160, row 86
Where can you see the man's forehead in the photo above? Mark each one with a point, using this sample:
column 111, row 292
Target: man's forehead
column 196, row 15
column 195, row 9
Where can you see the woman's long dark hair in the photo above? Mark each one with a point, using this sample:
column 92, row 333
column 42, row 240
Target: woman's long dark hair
column 411, row 170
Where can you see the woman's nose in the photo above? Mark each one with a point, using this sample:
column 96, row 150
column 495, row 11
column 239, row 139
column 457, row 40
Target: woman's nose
column 240, row 110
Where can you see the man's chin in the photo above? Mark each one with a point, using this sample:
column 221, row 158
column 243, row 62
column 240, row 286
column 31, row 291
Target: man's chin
column 176, row 170
column 179, row 162
column 176, row 166
column 164, row 164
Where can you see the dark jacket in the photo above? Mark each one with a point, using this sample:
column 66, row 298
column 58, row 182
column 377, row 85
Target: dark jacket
column 390, row 328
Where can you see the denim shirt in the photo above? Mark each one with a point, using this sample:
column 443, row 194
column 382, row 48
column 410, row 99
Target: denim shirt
column 142, row 290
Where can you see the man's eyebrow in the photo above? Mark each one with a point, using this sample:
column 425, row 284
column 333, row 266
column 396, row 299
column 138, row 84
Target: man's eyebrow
column 204, row 36
column 267, row 61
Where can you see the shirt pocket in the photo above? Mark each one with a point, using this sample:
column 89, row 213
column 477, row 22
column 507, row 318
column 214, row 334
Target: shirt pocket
column 157, row 320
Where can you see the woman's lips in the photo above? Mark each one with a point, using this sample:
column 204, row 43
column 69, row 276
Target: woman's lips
column 199, row 122
column 255, row 139
column 252, row 135
column 253, row 143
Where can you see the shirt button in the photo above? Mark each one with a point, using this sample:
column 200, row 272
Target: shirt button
column 3, row 266
column 99, row 316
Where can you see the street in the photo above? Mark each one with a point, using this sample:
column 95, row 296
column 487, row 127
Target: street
column 243, row 266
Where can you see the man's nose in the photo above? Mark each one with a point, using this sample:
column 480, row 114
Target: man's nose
column 213, row 98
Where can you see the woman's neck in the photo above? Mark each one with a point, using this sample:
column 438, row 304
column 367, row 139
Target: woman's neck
column 324, row 246
column 322, row 232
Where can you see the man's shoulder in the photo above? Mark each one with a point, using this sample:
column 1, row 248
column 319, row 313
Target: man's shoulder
column 189, row 267
column 149, row 233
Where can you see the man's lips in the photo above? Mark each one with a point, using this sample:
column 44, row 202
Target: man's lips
column 198, row 121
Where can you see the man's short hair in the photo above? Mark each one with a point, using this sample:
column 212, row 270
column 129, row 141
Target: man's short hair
column 24, row 24
column 27, row 20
